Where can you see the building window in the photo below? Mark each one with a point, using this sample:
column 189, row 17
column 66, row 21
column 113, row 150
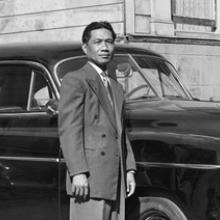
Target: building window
column 194, row 15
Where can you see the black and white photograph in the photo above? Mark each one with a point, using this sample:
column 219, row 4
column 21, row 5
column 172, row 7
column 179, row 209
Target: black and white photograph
column 109, row 110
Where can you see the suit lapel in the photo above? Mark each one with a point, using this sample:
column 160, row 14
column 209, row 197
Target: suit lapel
column 96, row 84
column 117, row 96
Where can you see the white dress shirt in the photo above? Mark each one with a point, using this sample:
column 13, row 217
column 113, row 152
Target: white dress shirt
column 100, row 71
column 105, row 79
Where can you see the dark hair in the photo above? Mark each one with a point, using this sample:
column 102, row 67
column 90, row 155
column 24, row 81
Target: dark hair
column 96, row 25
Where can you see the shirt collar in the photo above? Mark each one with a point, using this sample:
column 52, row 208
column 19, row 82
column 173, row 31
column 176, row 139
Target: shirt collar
column 98, row 69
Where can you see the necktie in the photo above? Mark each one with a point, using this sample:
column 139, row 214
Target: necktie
column 106, row 82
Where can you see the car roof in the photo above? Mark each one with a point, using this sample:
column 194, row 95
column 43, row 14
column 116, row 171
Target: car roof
column 54, row 51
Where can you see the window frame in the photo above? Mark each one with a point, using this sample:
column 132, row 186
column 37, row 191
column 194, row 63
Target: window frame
column 190, row 20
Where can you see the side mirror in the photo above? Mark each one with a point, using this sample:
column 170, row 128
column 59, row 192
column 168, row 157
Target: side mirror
column 51, row 107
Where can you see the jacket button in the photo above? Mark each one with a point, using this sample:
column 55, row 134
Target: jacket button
column 103, row 153
column 103, row 135
column 96, row 116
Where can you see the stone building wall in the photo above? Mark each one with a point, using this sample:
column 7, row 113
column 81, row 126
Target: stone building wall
column 30, row 20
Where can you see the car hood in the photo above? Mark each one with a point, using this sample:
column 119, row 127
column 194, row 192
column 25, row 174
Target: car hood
column 182, row 117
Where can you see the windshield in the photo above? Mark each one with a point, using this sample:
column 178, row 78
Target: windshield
column 142, row 77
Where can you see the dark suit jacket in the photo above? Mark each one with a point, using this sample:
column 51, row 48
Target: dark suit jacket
column 91, row 134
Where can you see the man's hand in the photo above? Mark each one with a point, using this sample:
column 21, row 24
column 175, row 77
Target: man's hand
column 80, row 186
column 131, row 184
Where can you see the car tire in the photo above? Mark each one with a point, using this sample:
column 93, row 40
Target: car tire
column 158, row 208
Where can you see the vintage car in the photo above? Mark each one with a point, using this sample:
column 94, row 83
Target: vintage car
column 175, row 138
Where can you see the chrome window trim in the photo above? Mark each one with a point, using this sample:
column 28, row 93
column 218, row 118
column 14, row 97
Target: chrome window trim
column 39, row 65
column 31, row 159
column 172, row 165
column 30, row 92
column 141, row 135
column 40, row 113
column 178, row 165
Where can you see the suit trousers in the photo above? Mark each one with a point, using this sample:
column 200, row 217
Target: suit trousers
column 99, row 209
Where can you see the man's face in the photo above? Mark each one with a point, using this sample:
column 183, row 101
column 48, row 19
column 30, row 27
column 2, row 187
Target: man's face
column 100, row 47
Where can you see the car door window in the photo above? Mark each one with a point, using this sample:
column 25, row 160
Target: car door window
column 42, row 93
column 14, row 86
column 23, row 88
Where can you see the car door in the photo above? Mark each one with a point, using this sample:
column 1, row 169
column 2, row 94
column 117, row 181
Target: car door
column 28, row 143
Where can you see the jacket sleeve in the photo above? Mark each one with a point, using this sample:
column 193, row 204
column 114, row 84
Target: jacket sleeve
column 70, row 124
column 130, row 160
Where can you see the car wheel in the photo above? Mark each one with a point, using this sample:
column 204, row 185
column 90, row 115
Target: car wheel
column 157, row 208
column 154, row 215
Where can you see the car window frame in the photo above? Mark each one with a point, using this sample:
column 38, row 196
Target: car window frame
column 84, row 56
column 48, row 76
column 55, row 75
column 130, row 55
column 116, row 54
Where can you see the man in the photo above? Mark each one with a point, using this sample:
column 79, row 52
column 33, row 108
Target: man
column 98, row 155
